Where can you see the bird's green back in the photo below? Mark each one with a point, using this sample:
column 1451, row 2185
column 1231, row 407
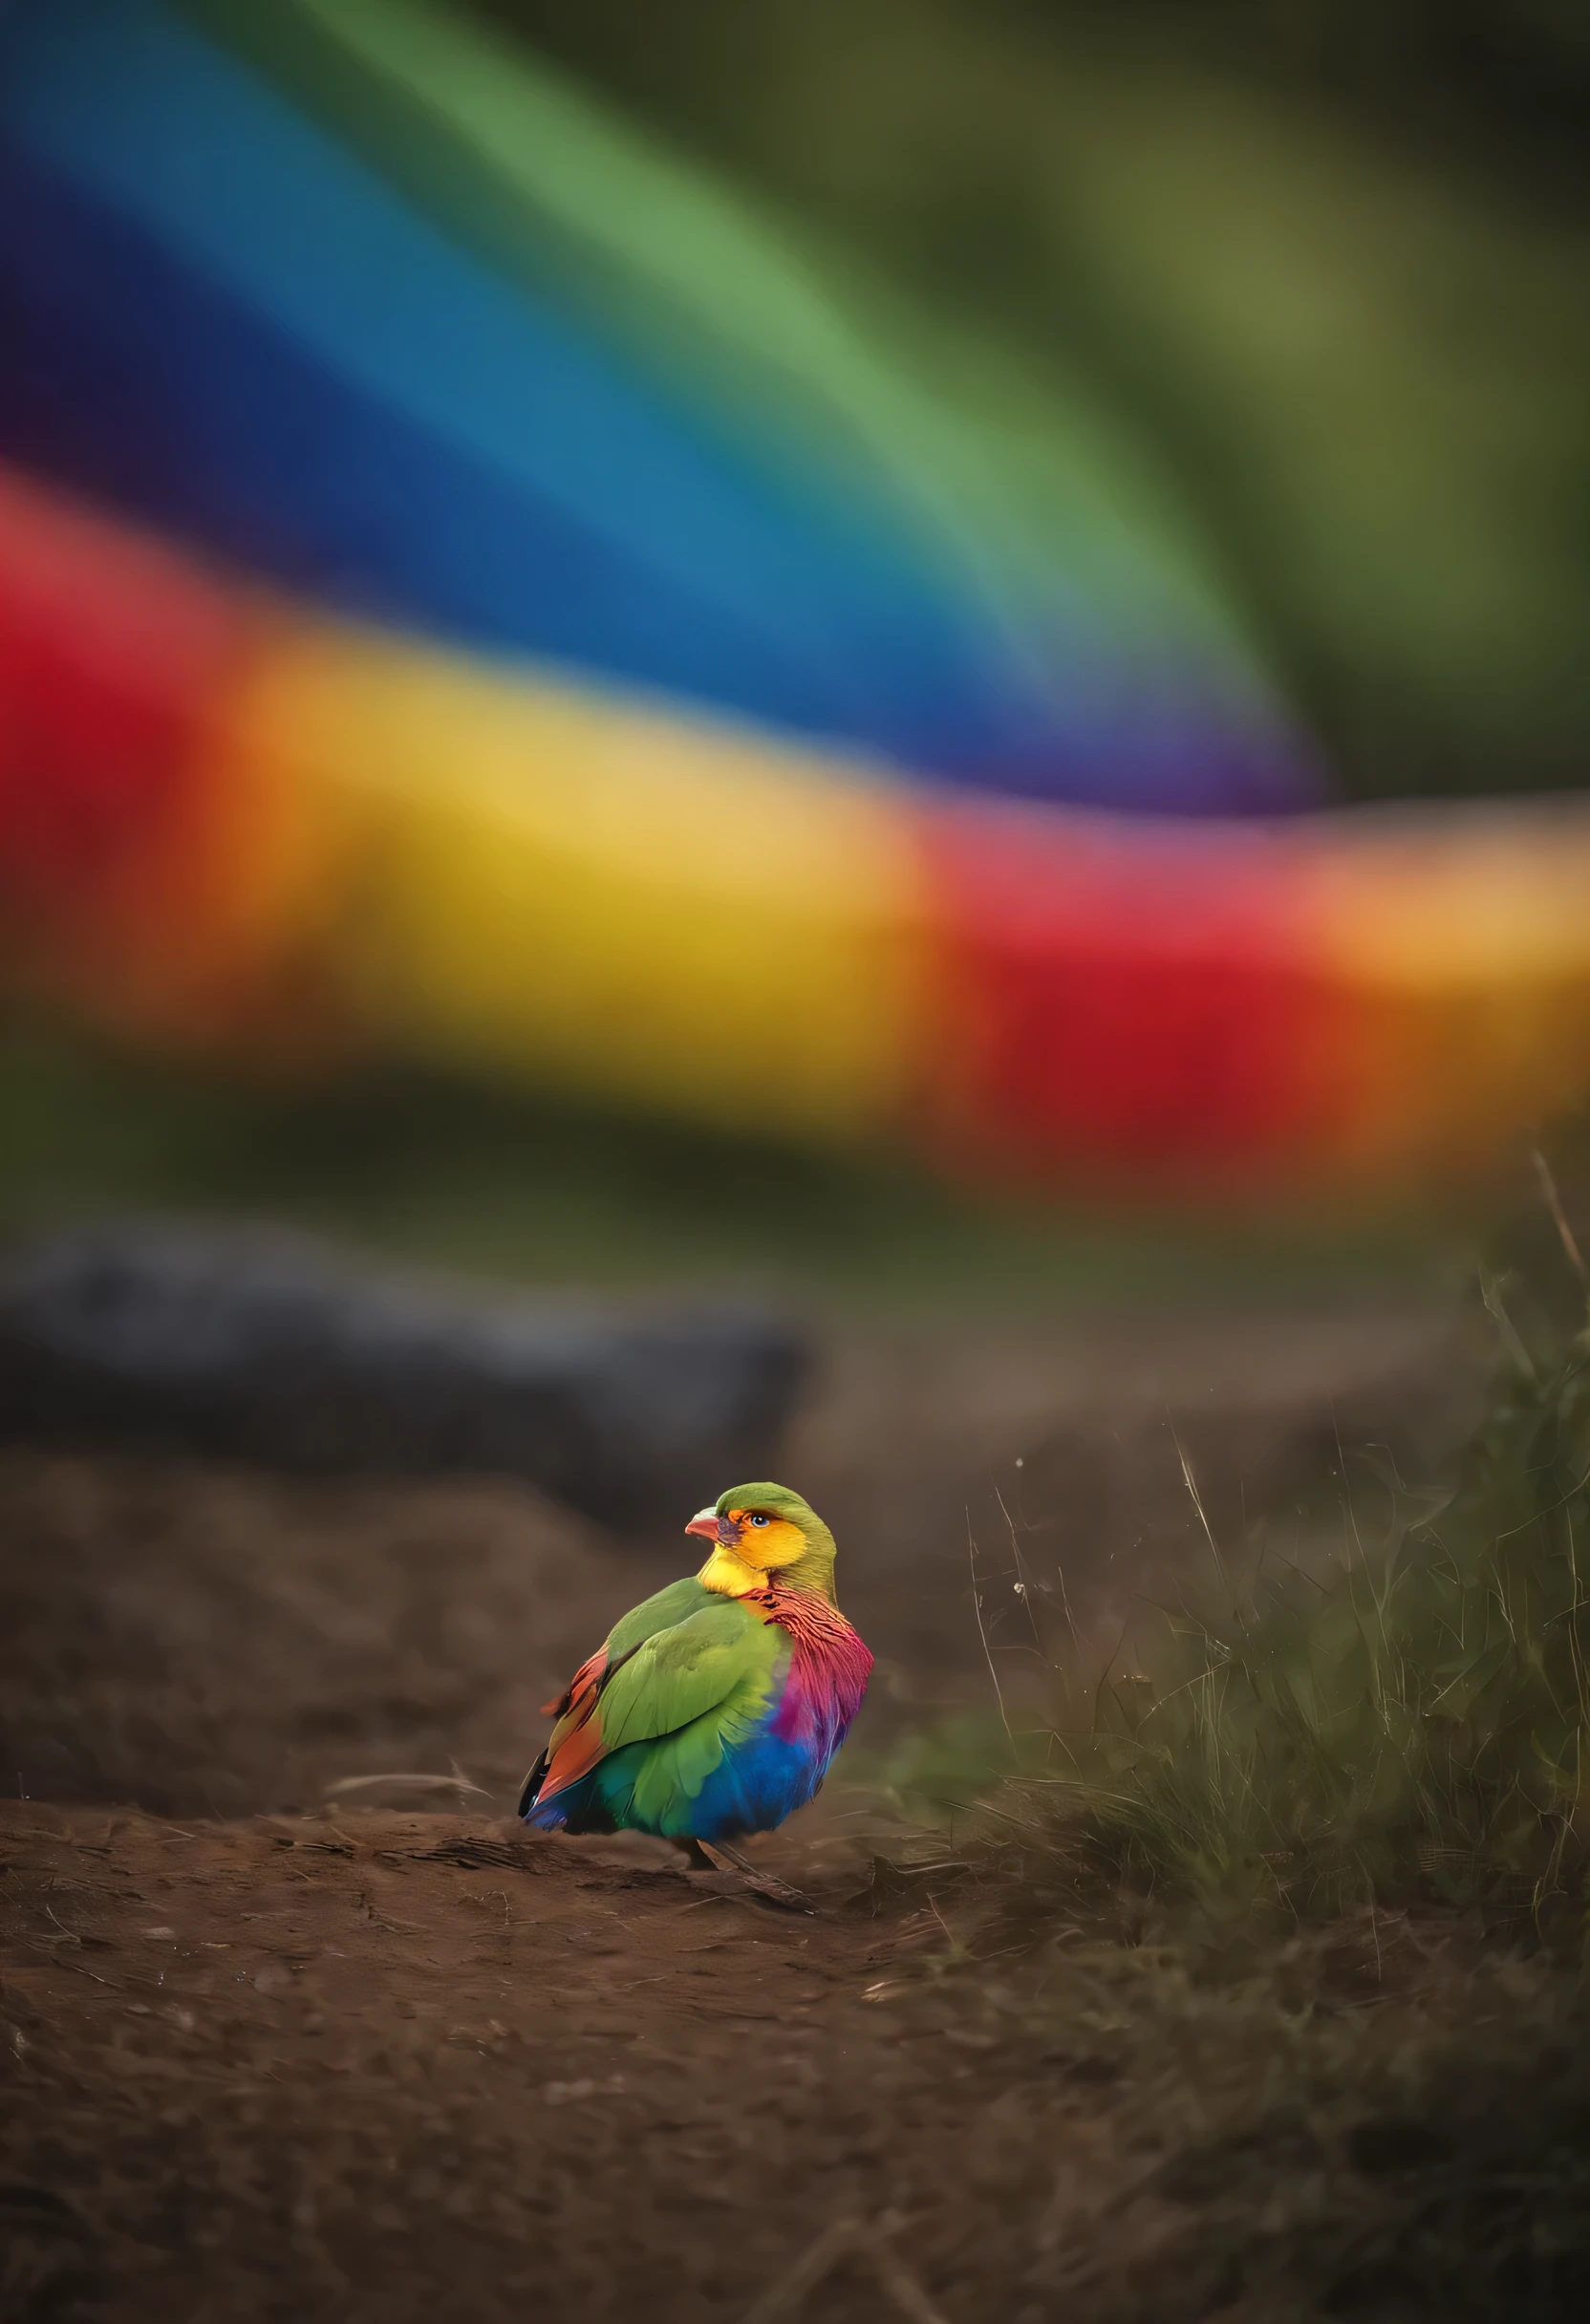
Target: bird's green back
column 693, row 1688
column 659, row 1612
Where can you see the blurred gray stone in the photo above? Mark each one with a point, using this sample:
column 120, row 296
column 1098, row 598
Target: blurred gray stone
column 254, row 1345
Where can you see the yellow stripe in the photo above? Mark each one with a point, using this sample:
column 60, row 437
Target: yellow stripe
column 617, row 902
column 1465, row 942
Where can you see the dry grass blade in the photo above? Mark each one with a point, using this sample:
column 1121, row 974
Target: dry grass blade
column 841, row 2240
column 784, row 2297
column 896, row 2279
column 347, row 1784
column 1560, row 1217
column 982, row 1634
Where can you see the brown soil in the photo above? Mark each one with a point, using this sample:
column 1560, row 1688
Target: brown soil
column 412, row 2067
column 404, row 2066
column 274, row 2053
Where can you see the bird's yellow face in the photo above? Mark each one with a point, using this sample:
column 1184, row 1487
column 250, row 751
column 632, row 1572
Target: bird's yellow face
column 749, row 1546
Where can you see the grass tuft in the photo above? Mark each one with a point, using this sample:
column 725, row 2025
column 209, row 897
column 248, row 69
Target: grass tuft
column 1409, row 1725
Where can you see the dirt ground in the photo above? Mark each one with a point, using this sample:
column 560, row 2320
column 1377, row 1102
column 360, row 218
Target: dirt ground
column 322, row 2063
column 417, row 2066
column 275, row 2048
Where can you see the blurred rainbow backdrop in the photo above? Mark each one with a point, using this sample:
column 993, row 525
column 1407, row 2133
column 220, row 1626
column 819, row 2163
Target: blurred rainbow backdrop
column 469, row 588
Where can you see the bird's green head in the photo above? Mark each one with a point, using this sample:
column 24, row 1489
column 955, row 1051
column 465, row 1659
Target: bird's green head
column 761, row 1533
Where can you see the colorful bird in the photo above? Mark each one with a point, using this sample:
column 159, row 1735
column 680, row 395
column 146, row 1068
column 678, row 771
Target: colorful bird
column 715, row 1708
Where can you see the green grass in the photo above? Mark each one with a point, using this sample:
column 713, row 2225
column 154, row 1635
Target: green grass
column 1372, row 2122
column 1299, row 1922
column 1409, row 1722
column 1398, row 1723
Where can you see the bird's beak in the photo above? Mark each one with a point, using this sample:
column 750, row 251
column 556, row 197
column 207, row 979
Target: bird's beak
column 705, row 1523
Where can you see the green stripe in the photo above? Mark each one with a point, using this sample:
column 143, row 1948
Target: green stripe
column 1009, row 485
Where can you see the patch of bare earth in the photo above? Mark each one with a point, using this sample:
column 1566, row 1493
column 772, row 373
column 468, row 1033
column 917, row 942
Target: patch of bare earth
column 405, row 2066
column 413, row 2066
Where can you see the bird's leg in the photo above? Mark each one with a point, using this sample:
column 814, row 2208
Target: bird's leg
column 764, row 1884
column 699, row 1856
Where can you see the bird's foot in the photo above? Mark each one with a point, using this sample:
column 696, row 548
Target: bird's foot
column 763, row 1884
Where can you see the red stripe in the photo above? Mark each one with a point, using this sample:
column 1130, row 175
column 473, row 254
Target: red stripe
column 1141, row 1011
column 112, row 654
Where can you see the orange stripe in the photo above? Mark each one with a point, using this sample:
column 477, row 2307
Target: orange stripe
column 581, row 1745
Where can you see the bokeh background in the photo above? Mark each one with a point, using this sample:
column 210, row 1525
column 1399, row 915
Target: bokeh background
column 1327, row 264
column 1317, row 275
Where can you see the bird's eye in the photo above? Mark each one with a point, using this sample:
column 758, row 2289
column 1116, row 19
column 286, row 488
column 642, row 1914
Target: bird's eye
column 759, row 1516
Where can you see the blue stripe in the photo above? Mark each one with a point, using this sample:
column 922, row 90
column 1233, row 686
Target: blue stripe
column 753, row 1787
column 214, row 315
column 222, row 430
